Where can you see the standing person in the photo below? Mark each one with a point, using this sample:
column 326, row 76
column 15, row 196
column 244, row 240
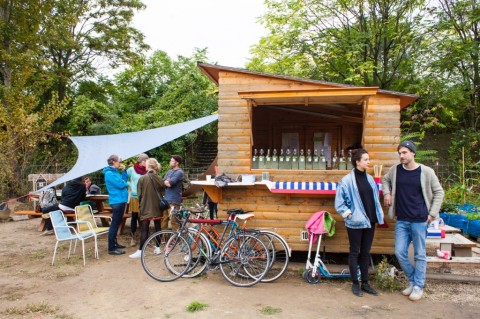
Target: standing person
column 73, row 194
column 148, row 186
column 116, row 183
column 414, row 195
column 358, row 202
column 212, row 206
column 134, row 173
column 173, row 194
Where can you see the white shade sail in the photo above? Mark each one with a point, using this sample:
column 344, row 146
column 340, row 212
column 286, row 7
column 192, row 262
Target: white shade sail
column 93, row 151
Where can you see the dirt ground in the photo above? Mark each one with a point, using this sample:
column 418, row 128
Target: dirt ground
column 117, row 287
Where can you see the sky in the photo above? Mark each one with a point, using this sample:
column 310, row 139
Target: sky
column 227, row 28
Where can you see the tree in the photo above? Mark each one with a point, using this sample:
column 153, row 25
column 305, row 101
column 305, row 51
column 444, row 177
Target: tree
column 23, row 115
column 157, row 91
column 81, row 35
column 368, row 43
column 47, row 47
column 456, row 50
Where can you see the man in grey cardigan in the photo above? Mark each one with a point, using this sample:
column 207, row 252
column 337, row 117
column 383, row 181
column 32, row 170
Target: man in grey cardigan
column 414, row 196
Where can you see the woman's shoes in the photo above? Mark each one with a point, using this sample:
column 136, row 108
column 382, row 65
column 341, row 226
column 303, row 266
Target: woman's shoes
column 357, row 291
column 369, row 290
column 136, row 255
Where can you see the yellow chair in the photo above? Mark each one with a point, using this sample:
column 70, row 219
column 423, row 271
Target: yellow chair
column 84, row 213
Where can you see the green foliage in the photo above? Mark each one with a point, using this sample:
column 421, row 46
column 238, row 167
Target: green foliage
column 384, row 278
column 455, row 49
column 355, row 42
column 80, row 34
column 464, row 146
column 460, row 194
column 195, row 306
column 448, row 206
column 473, row 216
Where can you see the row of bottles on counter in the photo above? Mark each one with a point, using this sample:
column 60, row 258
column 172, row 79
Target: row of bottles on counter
column 292, row 160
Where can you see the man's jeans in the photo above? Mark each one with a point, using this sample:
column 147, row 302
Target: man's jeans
column 117, row 218
column 406, row 232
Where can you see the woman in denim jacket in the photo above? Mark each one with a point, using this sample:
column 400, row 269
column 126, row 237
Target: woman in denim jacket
column 357, row 201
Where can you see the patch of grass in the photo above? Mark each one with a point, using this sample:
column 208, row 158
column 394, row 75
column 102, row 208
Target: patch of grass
column 40, row 309
column 196, row 306
column 268, row 310
column 43, row 308
column 14, row 296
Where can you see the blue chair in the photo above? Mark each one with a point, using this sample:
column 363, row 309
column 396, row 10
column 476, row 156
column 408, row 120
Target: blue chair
column 65, row 232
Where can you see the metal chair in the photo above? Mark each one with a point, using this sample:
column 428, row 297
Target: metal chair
column 85, row 213
column 65, row 232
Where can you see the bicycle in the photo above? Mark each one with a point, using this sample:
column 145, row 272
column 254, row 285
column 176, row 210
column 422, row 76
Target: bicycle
column 166, row 255
column 243, row 259
column 278, row 248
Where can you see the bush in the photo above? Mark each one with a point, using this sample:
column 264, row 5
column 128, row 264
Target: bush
column 386, row 277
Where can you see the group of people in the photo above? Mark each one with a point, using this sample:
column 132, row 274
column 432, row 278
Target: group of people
column 411, row 191
column 146, row 190
column 413, row 195
column 73, row 194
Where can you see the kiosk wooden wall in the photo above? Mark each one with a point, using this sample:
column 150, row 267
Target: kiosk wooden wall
column 288, row 213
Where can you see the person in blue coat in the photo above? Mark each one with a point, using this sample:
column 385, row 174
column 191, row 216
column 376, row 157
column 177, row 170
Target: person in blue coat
column 358, row 202
column 116, row 183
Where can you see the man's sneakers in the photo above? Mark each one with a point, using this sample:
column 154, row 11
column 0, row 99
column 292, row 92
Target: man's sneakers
column 157, row 251
column 407, row 291
column 413, row 292
column 136, row 255
column 116, row 252
column 416, row 294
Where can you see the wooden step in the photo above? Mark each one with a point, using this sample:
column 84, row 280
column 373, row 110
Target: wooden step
column 455, row 262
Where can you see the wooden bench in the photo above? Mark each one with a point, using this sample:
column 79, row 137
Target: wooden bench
column 34, row 214
column 456, row 244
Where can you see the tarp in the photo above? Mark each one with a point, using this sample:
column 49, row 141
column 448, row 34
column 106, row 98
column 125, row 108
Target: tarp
column 93, row 151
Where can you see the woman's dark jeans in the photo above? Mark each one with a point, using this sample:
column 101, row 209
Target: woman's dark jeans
column 360, row 244
column 117, row 216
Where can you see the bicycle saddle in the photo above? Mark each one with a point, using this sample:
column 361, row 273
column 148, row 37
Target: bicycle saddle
column 235, row 211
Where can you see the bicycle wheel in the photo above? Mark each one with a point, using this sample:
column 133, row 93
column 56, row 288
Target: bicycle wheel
column 201, row 251
column 279, row 254
column 166, row 256
column 244, row 260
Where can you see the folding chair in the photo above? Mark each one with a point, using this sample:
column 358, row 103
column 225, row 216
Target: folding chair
column 65, row 232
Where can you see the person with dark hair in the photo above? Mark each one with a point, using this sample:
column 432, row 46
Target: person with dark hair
column 92, row 189
column 116, row 183
column 413, row 195
column 73, row 194
column 134, row 174
column 173, row 194
column 358, row 202
column 148, row 186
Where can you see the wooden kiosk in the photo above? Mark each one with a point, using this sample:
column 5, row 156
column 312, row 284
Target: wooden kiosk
column 259, row 111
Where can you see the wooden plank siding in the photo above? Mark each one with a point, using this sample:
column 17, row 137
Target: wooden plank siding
column 243, row 126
